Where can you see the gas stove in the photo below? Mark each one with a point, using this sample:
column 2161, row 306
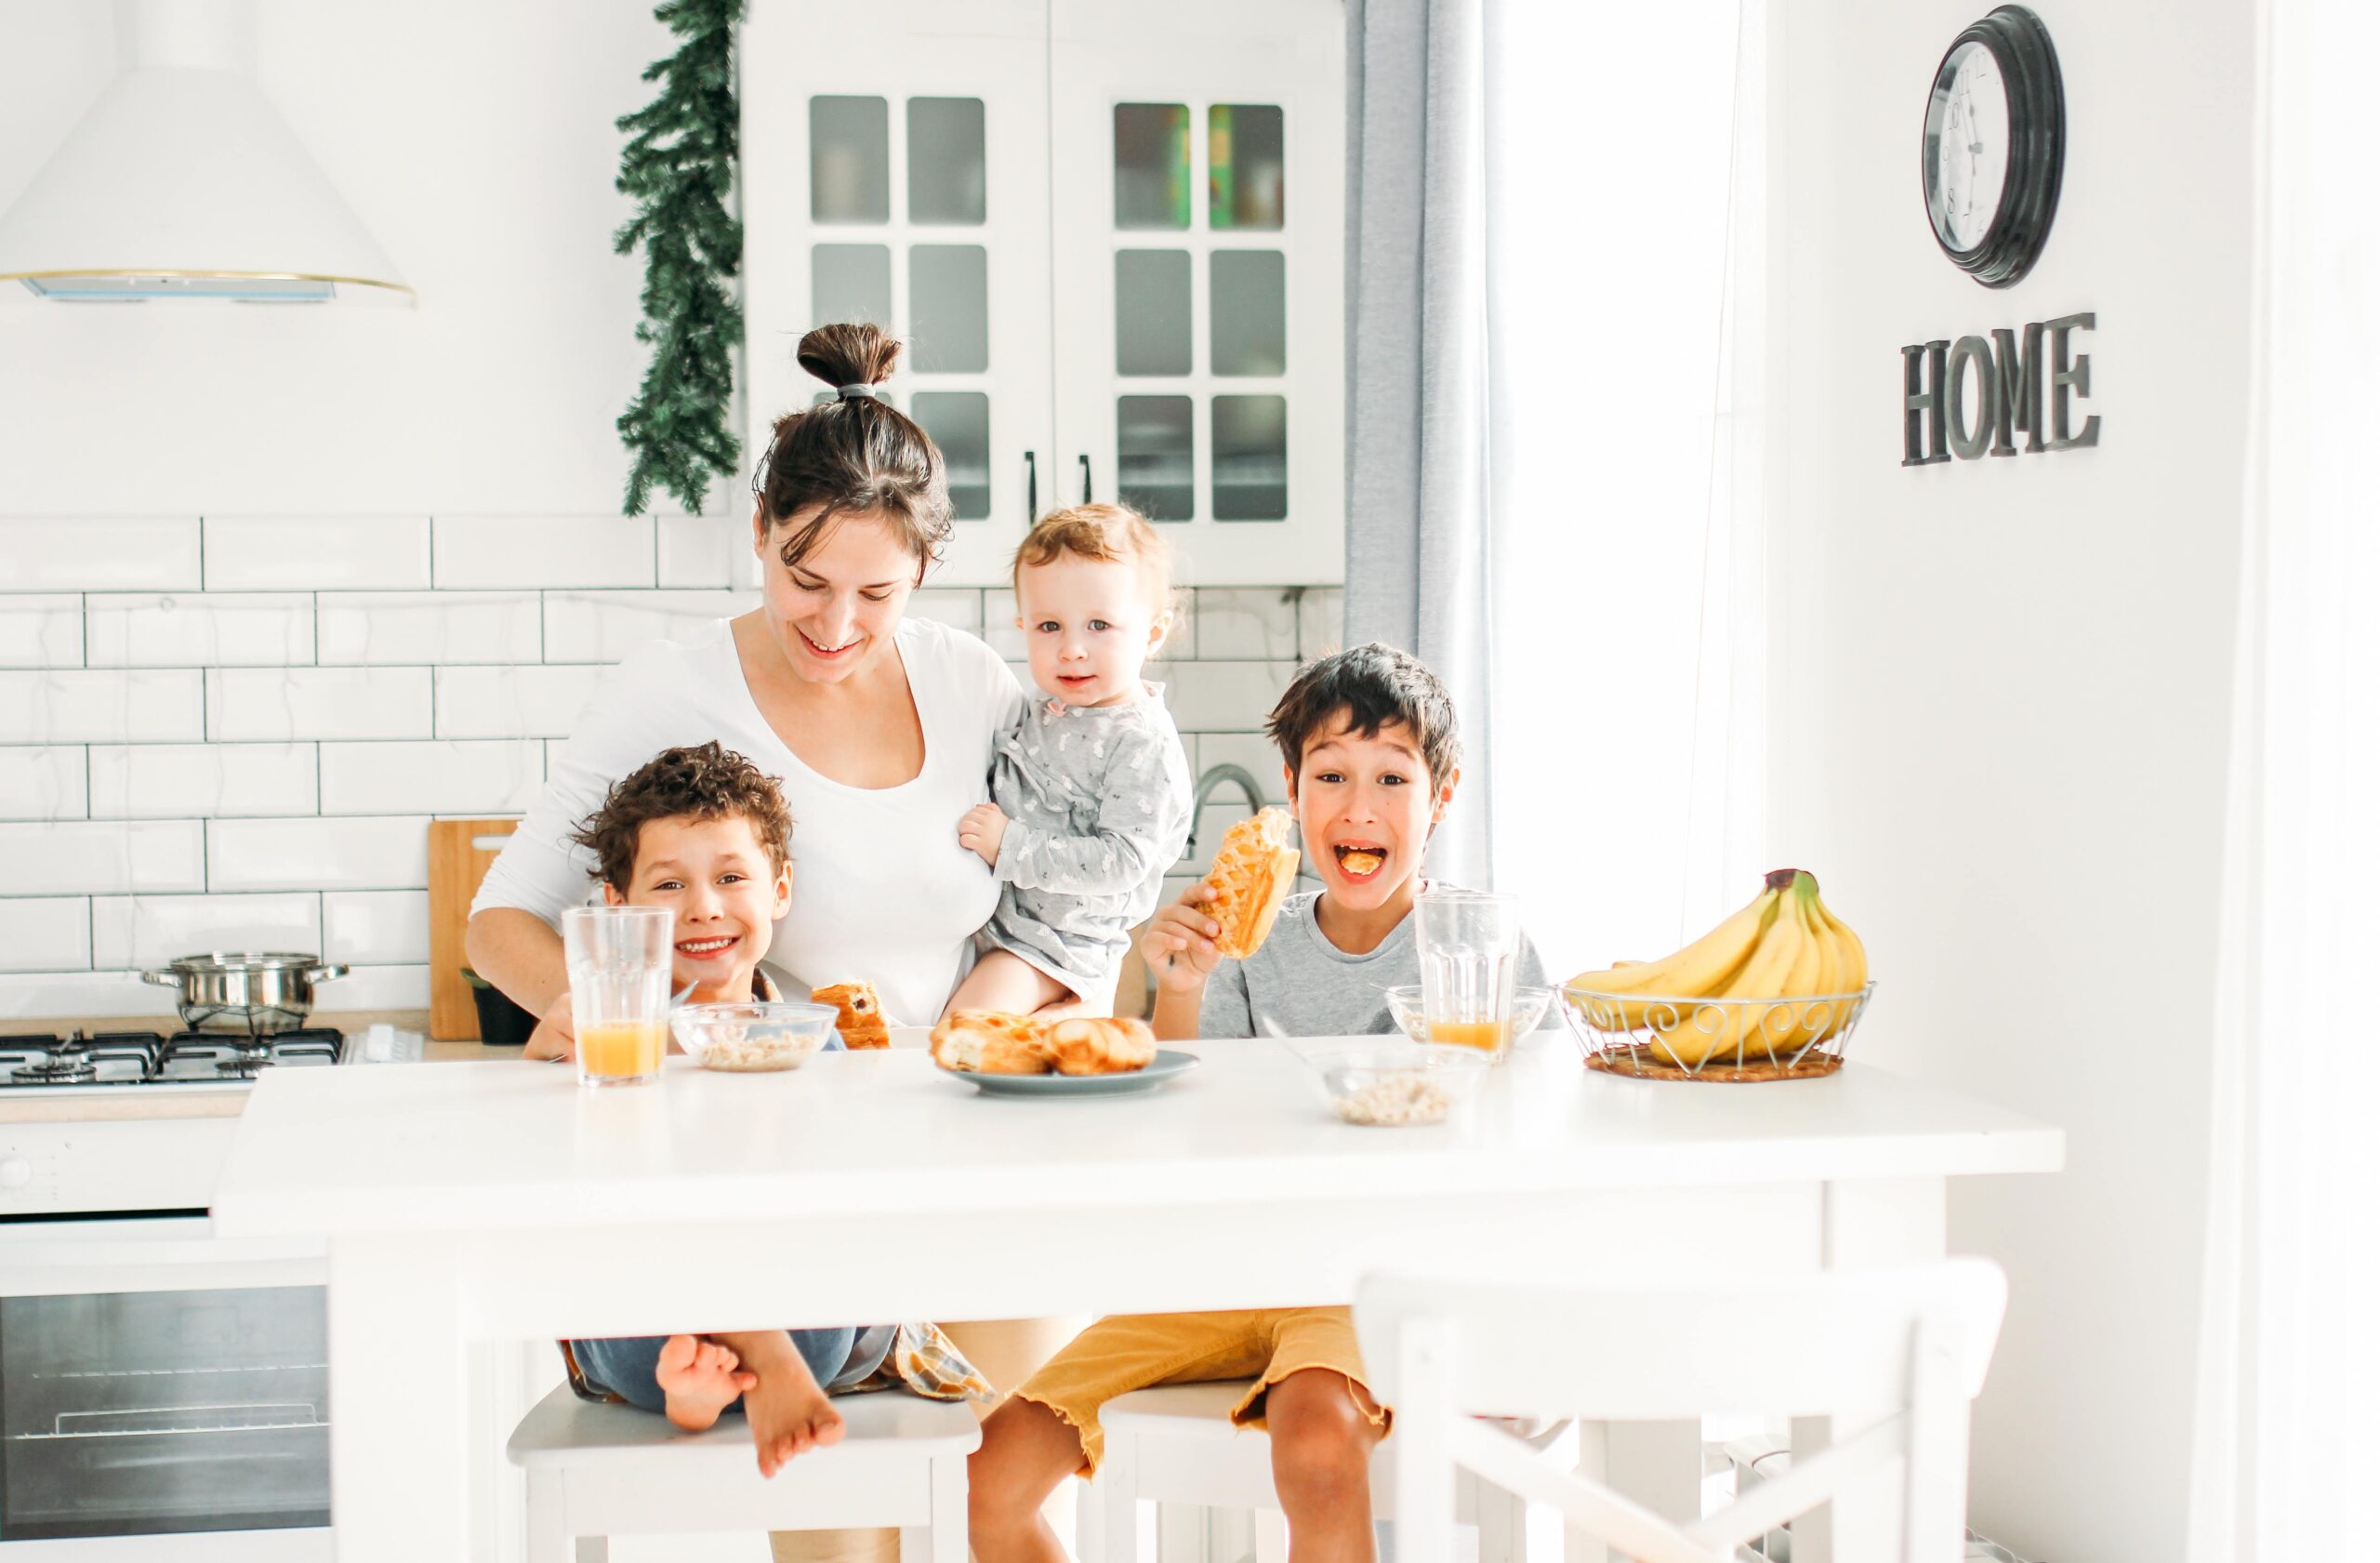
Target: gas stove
column 140, row 1058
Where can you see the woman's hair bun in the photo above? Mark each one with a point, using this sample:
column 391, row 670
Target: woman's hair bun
column 850, row 354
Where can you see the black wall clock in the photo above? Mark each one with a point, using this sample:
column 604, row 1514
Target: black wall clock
column 1995, row 146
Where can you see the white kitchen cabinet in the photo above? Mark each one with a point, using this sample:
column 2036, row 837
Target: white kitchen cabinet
column 1110, row 232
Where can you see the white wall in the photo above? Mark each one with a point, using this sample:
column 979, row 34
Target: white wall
column 2000, row 696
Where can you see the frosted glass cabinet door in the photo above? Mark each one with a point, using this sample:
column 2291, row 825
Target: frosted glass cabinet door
column 1196, row 190
column 896, row 169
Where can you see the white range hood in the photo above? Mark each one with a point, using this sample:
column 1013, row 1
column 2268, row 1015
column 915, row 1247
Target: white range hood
column 183, row 182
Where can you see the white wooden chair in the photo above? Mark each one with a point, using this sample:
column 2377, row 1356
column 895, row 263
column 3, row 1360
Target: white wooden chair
column 1177, row 1445
column 1893, row 1357
column 596, row 1471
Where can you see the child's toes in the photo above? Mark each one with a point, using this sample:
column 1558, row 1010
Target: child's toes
column 679, row 1353
column 745, row 1382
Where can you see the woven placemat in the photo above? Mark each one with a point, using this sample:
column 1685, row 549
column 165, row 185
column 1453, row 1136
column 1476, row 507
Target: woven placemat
column 1640, row 1062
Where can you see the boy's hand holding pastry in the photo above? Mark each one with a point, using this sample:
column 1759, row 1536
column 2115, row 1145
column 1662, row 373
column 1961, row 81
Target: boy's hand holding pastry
column 1180, row 945
column 980, row 830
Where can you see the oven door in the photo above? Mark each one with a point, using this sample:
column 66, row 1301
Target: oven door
column 163, row 1393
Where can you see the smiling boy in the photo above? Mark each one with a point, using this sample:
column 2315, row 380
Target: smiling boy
column 1368, row 745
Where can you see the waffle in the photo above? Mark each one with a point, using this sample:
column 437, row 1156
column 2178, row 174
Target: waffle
column 1252, row 872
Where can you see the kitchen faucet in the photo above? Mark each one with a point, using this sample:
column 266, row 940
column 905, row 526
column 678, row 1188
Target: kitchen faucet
column 1217, row 778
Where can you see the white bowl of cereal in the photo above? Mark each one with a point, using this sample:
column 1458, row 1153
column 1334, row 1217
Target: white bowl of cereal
column 752, row 1037
column 1395, row 1083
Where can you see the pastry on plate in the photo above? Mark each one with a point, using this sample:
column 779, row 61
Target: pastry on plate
column 1253, row 870
column 1098, row 1045
column 990, row 1042
column 857, row 1014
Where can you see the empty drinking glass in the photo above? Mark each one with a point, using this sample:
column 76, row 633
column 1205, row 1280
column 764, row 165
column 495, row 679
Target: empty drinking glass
column 619, row 960
column 1470, row 945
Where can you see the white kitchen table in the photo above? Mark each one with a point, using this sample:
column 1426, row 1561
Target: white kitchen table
column 503, row 1202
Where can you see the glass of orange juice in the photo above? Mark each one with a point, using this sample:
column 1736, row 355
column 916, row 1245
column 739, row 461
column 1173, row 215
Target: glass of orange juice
column 619, row 960
column 1470, row 944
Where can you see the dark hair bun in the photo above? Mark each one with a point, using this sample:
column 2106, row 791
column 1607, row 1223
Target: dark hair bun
column 850, row 354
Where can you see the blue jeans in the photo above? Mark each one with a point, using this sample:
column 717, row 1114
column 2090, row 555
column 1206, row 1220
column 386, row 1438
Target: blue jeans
column 625, row 1364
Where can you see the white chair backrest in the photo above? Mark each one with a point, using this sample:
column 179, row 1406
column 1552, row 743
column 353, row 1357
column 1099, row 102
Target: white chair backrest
column 1893, row 1355
column 1794, row 1346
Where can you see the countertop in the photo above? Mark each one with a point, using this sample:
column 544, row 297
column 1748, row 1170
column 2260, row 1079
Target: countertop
column 326, row 1151
column 116, row 1104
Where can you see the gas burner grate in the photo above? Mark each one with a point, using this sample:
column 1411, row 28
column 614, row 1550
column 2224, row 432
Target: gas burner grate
column 59, row 1069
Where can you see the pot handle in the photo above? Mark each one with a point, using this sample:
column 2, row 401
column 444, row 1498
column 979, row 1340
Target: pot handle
column 324, row 974
column 163, row 979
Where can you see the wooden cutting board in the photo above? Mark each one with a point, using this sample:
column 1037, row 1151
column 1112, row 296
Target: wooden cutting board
column 458, row 861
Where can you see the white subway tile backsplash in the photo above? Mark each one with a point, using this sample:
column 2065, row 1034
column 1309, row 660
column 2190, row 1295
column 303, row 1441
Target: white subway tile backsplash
column 374, row 987
column 390, row 627
column 44, row 783
column 961, row 610
column 263, row 705
column 1253, row 753
column 194, row 630
column 530, row 702
column 110, row 706
column 1224, row 697
column 1259, row 623
column 606, row 626
column 53, row 995
column 44, row 934
column 41, row 630
column 185, row 781
column 152, row 930
column 495, row 776
column 386, row 854
column 115, row 857
column 535, row 551
column 702, row 550
column 1322, row 621
column 129, row 553
column 377, row 927
column 263, row 553
column 1001, row 630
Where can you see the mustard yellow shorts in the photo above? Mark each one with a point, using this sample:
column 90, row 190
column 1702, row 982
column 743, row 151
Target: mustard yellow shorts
column 1124, row 1352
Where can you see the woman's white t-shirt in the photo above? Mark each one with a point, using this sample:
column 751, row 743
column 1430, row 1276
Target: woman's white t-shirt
column 882, row 891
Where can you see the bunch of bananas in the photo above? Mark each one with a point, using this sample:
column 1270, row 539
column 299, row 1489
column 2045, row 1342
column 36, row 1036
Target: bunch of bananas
column 1784, row 946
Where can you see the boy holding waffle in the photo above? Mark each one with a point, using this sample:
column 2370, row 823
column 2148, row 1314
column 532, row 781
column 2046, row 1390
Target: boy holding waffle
column 1368, row 745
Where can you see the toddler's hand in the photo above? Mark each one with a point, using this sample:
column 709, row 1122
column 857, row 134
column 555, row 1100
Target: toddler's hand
column 553, row 1038
column 1179, row 948
column 980, row 830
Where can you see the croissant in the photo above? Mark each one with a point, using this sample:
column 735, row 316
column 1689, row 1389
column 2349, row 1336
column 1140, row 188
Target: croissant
column 1097, row 1045
column 1252, row 872
column 990, row 1042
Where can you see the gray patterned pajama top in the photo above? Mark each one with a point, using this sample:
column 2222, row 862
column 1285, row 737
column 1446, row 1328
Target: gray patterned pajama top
column 1098, row 800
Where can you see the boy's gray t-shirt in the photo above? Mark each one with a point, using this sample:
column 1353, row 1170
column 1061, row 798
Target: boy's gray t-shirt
column 1299, row 984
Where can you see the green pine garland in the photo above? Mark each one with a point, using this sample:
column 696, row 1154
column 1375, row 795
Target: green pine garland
column 679, row 167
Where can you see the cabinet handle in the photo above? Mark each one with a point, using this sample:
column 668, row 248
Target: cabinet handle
column 1032, row 491
column 1085, row 460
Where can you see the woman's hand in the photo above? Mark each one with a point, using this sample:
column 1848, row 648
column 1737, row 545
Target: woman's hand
column 1180, row 945
column 553, row 1039
column 980, row 830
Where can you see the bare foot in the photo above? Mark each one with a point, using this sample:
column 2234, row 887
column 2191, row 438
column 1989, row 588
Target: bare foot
column 790, row 1414
column 701, row 1379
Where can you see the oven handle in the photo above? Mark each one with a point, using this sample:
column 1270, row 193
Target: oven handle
column 164, row 1253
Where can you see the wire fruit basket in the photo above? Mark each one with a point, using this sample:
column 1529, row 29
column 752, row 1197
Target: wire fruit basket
column 1656, row 1037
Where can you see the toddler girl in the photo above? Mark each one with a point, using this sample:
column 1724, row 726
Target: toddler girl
column 1090, row 791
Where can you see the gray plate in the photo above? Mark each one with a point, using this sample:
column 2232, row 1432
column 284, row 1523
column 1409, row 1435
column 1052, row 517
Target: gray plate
column 1163, row 1067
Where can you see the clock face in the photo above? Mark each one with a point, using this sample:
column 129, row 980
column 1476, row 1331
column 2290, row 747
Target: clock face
column 1967, row 133
column 1994, row 153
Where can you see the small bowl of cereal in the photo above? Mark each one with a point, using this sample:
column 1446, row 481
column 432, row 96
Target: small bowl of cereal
column 752, row 1037
column 1394, row 1083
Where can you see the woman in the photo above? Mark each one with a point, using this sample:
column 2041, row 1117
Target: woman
column 879, row 727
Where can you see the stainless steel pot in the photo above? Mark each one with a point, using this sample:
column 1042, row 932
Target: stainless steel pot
column 258, row 995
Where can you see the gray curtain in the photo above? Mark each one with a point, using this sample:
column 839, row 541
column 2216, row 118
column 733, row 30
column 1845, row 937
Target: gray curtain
column 1418, row 563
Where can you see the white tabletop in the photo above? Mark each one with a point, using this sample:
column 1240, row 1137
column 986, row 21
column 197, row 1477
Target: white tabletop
column 509, row 1145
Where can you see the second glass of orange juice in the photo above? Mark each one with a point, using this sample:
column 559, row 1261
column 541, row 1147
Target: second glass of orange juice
column 1470, row 945
column 619, row 960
